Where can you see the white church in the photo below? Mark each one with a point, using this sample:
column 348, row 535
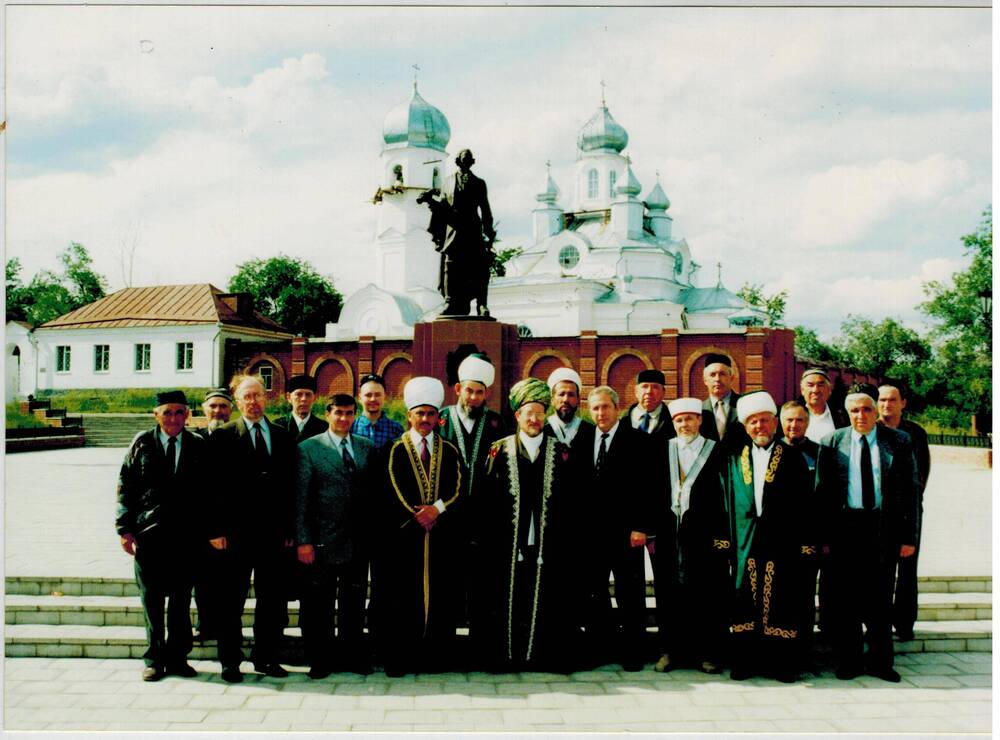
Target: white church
column 609, row 262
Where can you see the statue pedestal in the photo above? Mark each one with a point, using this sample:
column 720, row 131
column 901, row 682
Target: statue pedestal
column 439, row 346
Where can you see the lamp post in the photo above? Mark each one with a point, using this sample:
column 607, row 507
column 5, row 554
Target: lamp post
column 986, row 306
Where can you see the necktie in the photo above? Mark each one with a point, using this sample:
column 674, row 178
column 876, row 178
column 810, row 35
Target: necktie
column 602, row 452
column 172, row 455
column 260, row 447
column 345, row 453
column 425, row 455
column 644, row 424
column 867, row 476
column 720, row 419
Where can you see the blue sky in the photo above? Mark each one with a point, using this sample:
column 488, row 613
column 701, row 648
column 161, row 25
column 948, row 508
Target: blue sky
column 835, row 153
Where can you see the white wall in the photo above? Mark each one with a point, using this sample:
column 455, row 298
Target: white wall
column 19, row 371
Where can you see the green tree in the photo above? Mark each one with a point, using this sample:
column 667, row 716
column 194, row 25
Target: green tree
column 15, row 291
column 773, row 305
column 809, row 346
column 498, row 268
column 885, row 349
column 290, row 292
column 85, row 285
column 962, row 335
column 50, row 295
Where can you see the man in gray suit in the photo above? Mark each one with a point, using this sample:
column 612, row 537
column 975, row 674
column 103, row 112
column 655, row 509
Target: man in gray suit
column 867, row 484
column 330, row 500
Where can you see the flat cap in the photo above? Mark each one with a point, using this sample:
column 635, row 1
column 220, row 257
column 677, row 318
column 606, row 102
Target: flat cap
column 219, row 393
column 164, row 397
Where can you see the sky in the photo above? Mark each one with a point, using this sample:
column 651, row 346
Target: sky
column 838, row 154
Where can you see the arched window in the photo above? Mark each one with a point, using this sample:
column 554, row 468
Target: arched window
column 592, row 184
column 612, row 179
column 436, row 179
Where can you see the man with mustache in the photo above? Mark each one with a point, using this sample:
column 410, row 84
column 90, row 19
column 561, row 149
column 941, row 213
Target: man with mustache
column 564, row 424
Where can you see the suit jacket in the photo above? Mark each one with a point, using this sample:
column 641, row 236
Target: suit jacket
column 250, row 504
column 313, row 426
column 662, row 428
column 921, row 450
column 329, row 500
column 151, row 501
column 620, row 500
column 736, row 435
column 900, row 484
column 488, row 428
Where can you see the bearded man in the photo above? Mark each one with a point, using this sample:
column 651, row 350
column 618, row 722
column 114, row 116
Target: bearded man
column 564, row 424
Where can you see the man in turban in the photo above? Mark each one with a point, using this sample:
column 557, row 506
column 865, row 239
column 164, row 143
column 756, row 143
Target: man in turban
column 524, row 525
column 419, row 539
column 565, row 422
column 767, row 493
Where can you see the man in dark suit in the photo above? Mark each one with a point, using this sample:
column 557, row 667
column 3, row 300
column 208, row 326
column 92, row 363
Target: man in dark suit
column 253, row 528
column 330, row 502
column 301, row 423
column 649, row 413
column 610, row 459
column 891, row 404
column 160, row 491
column 867, row 482
column 816, row 389
column 719, row 420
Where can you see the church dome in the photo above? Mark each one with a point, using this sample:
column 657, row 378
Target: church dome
column 416, row 123
column 550, row 194
column 657, row 200
column 628, row 185
column 602, row 132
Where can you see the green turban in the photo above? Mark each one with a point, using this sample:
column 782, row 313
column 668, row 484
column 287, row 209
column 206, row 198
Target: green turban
column 529, row 390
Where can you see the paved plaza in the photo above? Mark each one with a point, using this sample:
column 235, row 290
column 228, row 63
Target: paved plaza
column 59, row 509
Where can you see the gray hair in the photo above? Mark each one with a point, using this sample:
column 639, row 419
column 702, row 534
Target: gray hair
column 852, row 397
column 604, row 390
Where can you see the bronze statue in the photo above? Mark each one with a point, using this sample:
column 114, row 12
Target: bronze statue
column 462, row 230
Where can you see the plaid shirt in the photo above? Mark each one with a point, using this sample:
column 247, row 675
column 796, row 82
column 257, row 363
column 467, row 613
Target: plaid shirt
column 382, row 432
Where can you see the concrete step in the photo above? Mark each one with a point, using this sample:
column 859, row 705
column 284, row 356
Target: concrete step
column 115, row 430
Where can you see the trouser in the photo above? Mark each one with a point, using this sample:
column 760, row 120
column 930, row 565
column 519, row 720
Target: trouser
column 904, row 604
column 329, row 589
column 862, row 577
column 690, row 623
column 623, row 627
column 206, row 592
column 163, row 574
column 267, row 563
column 766, row 615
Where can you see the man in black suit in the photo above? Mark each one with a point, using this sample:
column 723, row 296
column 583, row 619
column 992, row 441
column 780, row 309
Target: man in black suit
column 160, row 490
column 610, row 458
column 330, row 504
column 891, row 404
column 867, row 482
column 719, row 420
column 301, row 423
column 824, row 418
column 649, row 413
column 253, row 528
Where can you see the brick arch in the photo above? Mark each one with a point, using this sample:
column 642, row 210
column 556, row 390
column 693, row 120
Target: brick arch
column 542, row 363
column 692, row 382
column 278, row 381
column 396, row 370
column 333, row 374
column 619, row 371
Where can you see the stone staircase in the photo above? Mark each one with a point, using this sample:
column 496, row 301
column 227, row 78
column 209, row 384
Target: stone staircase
column 102, row 618
column 115, row 430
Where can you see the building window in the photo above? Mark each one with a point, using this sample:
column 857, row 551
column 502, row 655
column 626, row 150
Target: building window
column 266, row 373
column 436, row 179
column 612, row 179
column 185, row 355
column 569, row 256
column 62, row 358
column 592, row 184
column 142, row 355
column 102, row 358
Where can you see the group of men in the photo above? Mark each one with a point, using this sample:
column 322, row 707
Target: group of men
column 517, row 532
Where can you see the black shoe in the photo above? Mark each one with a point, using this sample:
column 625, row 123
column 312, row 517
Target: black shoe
column 904, row 635
column 740, row 673
column 632, row 666
column 203, row 636
column 318, row 672
column 152, row 673
column 232, row 675
column 184, row 670
column 270, row 669
column 394, row 671
column 786, row 676
column 361, row 666
column 886, row 674
column 847, row 672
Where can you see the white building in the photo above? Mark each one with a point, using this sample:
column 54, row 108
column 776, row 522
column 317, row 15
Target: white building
column 164, row 336
column 609, row 263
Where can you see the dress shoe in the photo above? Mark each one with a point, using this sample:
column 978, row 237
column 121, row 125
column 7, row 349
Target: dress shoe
column 904, row 635
column 633, row 665
column 361, row 666
column 232, row 675
column 786, row 676
column 318, row 672
column 741, row 673
column 270, row 669
column 394, row 671
column 664, row 664
column 710, row 667
column 847, row 672
column 152, row 673
column 886, row 674
column 184, row 670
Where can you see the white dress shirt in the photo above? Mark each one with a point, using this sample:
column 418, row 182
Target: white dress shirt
column 761, row 457
column 855, row 499
column 607, row 442
column 416, row 439
column 564, row 432
column 264, row 428
column 531, row 444
column 342, row 443
column 164, row 440
column 820, row 425
column 635, row 416
column 687, row 452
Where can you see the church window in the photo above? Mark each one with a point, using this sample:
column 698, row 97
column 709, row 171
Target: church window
column 592, row 184
column 436, row 179
column 569, row 256
column 612, row 179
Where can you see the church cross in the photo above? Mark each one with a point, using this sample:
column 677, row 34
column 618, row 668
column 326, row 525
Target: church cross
column 603, row 101
column 416, row 69
column 719, row 266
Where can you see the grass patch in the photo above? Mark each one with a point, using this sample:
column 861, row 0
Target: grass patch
column 114, row 400
column 16, row 420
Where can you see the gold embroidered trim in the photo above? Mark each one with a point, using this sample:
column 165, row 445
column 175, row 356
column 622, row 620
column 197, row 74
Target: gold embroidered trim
column 772, row 465
column 745, row 464
column 768, row 630
column 808, row 550
column 745, row 627
column 721, row 544
column 752, row 567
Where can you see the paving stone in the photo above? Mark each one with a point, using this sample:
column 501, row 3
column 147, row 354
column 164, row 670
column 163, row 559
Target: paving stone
column 160, row 701
column 385, row 702
column 368, row 689
column 867, row 724
column 528, row 717
column 985, row 680
column 275, row 701
column 291, row 717
column 803, row 725
column 217, row 701
column 933, row 682
column 415, row 717
column 328, row 701
column 744, row 726
column 240, row 717
column 442, row 701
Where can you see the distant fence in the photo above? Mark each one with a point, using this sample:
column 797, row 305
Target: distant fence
column 961, row 440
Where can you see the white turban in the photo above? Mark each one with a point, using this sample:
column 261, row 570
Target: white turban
column 684, row 406
column 755, row 403
column 476, row 368
column 564, row 373
column 423, row 391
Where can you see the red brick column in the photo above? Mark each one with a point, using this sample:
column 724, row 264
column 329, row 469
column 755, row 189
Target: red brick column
column 298, row 355
column 366, row 356
column 588, row 360
column 668, row 363
column 753, row 379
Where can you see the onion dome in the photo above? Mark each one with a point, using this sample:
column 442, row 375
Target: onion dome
column 657, row 200
column 551, row 191
column 416, row 123
column 627, row 184
column 602, row 133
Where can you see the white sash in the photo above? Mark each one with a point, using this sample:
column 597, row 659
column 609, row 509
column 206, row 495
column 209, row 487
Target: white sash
column 680, row 493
